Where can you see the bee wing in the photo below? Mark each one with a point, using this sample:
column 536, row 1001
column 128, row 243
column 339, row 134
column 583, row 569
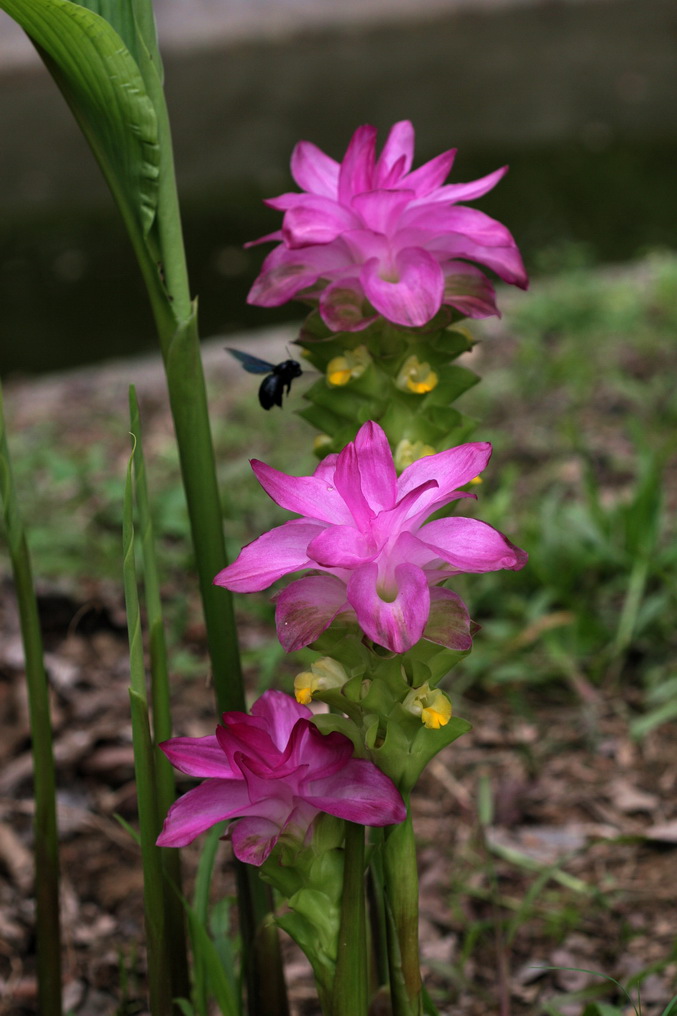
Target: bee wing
column 252, row 364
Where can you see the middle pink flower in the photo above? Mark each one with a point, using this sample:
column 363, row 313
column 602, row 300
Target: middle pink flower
column 364, row 534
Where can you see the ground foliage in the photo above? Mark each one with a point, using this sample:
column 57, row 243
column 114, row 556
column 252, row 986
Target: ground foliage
column 548, row 834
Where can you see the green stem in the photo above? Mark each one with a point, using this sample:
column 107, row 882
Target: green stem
column 401, row 887
column 351, row 991
column 48, row 930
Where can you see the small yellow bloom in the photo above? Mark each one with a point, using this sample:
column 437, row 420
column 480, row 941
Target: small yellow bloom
column 323, row 675
column 477, row 479
column 438, row 713
column 432, row 705
column 338, row 371
column 352, row 364
column 303, row 688
column 320, row 442
column 416, row 377
column 408, row 451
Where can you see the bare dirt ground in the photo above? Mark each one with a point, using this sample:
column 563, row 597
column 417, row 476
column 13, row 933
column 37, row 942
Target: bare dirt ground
column 574, row 865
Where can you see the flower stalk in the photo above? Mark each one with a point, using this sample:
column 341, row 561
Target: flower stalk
column 351, row 986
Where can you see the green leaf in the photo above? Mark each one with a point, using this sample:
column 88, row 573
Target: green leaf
column 102, row 84
column 134, row 22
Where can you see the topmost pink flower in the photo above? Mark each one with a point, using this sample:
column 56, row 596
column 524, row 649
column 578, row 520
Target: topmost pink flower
column 368, row 236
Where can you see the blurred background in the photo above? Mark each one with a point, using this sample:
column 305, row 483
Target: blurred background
column 578, row 96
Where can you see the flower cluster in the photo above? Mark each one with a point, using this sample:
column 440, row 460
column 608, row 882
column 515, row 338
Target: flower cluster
column 275, row 772
column 371, row 237
column 362, row 532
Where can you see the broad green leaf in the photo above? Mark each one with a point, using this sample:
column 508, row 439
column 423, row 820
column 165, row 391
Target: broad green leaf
column 134, row 21
column 102, row 84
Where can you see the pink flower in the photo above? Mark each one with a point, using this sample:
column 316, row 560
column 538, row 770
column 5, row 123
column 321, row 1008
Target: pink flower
column 363, row 533
column 275, row 772
column 369, row 236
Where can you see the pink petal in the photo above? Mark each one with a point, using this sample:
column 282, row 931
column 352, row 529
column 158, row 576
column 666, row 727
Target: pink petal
column 415, row 297
column 468, row 191
column 431, row 174
column 470, row 222
column 201, row 808
column 448, row 623
column 396, row 624
column 317, row 220
column 323, row 755
column 285, row 273
column 452, row 469
column 363, row 244
column 472, row 546
column 380, row 210
column 281, row 713
column 199, row 756
column 361, row 793
column 356, row 172
column 277, row 235
column 505, row 261
column 408, row 507
column 311, row 496
column 344, row 307
column 341, row 547
column 397, row 150
column 469, row 290
column 314, row 171
column 283, row 202
column 378, row 476
column 267, row 559
column 241, row 735
column 253, row 839
column 280, row 282
column 347, row 479
column 306, row 607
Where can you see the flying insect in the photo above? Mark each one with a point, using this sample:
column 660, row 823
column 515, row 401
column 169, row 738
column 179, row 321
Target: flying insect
column 278, row 375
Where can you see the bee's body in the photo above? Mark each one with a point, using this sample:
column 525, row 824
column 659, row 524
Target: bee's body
column 278, row 375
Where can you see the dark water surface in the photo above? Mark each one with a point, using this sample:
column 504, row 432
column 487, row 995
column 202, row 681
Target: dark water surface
column 578, row 97
column 70, row 292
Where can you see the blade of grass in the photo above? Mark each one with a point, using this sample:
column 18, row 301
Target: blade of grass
column 159, row 958
column 161, row 714
column 48, row 930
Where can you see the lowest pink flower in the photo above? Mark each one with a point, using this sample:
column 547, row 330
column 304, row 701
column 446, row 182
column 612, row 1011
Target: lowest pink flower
column 363, row 532
column 274, row 771
column 370, row 236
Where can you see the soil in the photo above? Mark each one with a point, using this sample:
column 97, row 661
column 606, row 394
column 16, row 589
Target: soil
column 572, row 865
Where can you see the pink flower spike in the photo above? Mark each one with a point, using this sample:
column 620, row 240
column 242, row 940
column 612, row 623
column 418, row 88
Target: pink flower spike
column 275, row 785
column 371, row 236
column 363, row 535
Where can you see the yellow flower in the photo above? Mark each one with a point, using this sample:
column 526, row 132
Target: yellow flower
column 352, row 364
column 416, row 377
column 408, row 451
column 320, row 442
column 323, row 675
column 433, row 706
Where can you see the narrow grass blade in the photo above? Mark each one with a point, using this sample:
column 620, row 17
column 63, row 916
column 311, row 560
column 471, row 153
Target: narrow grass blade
column 159, row 956
column 48, row 930
column 161, row 713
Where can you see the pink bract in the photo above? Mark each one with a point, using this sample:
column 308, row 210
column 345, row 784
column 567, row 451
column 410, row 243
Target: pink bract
column 363, row 534
column 370, row 236
column 275, row 772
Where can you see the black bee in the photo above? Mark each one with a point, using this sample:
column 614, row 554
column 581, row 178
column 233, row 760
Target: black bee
column 279, row 375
